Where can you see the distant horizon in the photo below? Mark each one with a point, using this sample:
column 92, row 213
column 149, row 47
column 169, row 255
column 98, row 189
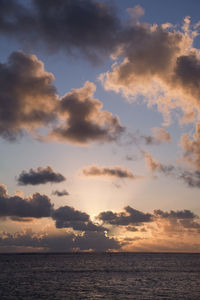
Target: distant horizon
column 96, row 252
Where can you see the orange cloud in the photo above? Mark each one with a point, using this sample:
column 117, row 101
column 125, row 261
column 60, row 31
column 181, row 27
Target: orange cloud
column 160, row 64
column 191, row 148
column 116, row 171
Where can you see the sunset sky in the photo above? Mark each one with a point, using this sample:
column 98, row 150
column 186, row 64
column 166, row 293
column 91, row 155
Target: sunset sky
column 99, row 125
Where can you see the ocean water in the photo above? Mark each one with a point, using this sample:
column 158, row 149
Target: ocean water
column 100, row 276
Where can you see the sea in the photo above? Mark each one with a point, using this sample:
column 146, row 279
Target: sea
column 100, row 276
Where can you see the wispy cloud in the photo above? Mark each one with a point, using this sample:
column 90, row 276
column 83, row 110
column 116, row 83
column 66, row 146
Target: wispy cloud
column 112, row 172
column 60, row 193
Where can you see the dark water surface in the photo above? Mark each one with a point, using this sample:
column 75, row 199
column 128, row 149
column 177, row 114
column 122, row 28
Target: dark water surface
column 100, row 276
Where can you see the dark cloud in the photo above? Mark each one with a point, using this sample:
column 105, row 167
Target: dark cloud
column 96, row 241
column 85, row 121
column 27, row 96
column 68, row 217
column 61, row 242
column 88, row 27
column 29, row 101
column 35, row 206
column 60, row 193
column 187, row 72
column 130, row 216
column 179, row 214
column 191, row 178
column 12, row 16
column 66, row 213
column 40, row 206
column 40, row 176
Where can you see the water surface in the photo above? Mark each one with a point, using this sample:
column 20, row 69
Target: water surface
column 100, row 276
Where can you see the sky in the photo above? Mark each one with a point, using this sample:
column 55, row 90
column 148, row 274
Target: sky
column 99, row 125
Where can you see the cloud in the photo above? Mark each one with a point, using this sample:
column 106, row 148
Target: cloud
column 68, row 217
column 84, row 121
column 130, row 216
column 40, row 176
column 161, row 64
column 163, row 244
column 160, row 135
column 96, row 241
column 157, row 231
column 60, row 193
column 177, row 222
column 151, row 162
column 116, row 171
column 180, row 214
column 131, row 157
column 135, row 12
column 77, row 27
column 35, row 206
column 191, row 178
column 27, row 96
column 60, row 242
column 191, row 148
column 12, row 15
column 134, row 220
column 155, row 165
column 28, row 101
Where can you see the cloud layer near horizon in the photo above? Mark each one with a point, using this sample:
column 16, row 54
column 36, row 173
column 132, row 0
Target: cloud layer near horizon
column 40, row 206
column 132, row 229
column 29, row 241
column 35, row 206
